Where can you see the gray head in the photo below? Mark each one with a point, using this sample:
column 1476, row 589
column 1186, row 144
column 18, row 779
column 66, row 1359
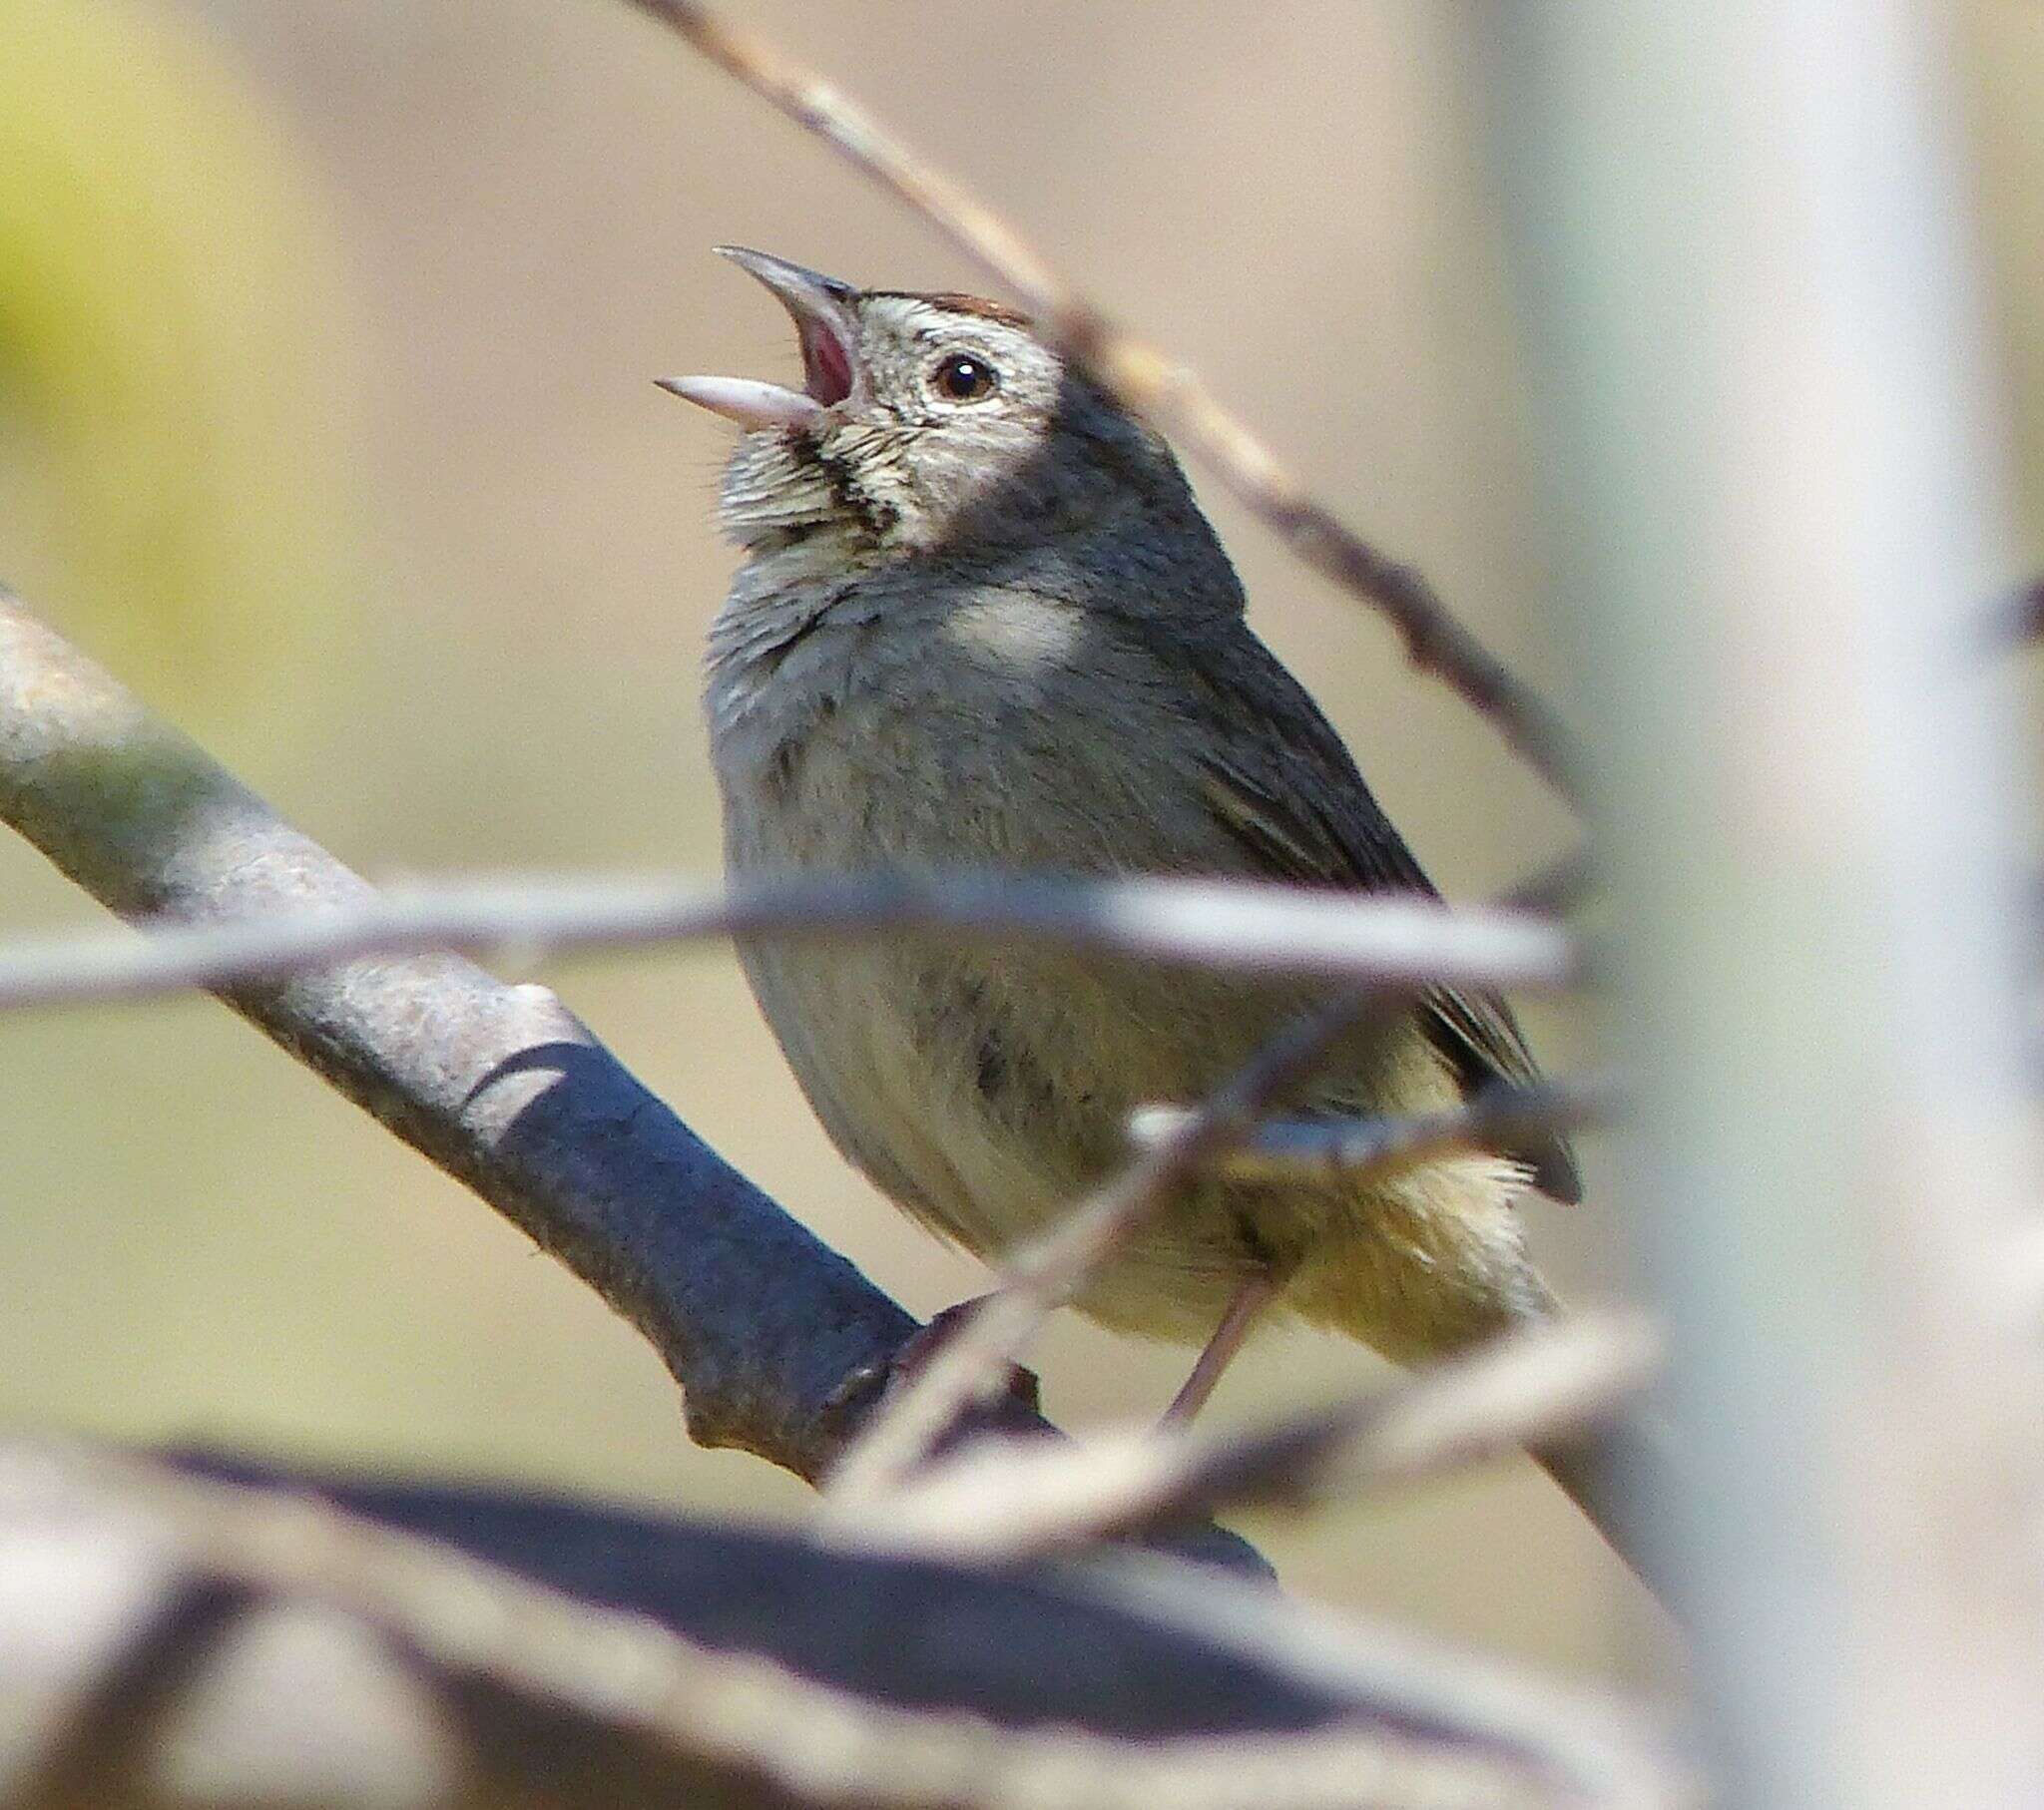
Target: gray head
column 924, row 422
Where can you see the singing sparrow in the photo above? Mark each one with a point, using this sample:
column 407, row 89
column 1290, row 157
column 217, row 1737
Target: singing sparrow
column 982, row 624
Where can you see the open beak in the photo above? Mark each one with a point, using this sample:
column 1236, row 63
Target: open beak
column 824, row 312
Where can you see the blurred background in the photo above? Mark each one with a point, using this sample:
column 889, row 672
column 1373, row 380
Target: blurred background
column 326, row 338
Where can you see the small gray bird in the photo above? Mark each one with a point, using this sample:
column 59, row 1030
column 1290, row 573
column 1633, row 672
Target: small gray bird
column 982, row 624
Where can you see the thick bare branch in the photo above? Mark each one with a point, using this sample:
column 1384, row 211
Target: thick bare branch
column 1238, row 925
column 1003, row 1498
column 500, row 1086
column 1143, row 380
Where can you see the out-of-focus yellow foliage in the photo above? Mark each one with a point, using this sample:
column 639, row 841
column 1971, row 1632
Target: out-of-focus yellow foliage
column 169, row 440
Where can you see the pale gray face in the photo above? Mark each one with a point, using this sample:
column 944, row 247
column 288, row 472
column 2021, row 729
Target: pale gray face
column 923, row 421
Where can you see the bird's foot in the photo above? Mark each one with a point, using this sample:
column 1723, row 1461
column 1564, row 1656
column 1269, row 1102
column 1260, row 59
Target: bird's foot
column 1015, row 1409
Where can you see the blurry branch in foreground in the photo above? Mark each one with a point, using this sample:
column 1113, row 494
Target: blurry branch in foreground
column 999, row 1497
column 1808, row 832
column 1243, row 926
column 1163, row 392
column 201, row 1641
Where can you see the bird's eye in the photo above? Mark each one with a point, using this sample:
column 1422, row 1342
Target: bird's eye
column 964, row 378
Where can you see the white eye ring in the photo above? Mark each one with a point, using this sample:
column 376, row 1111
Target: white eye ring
column 965, row 377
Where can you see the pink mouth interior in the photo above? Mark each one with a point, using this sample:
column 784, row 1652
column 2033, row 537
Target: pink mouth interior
column 827, row 364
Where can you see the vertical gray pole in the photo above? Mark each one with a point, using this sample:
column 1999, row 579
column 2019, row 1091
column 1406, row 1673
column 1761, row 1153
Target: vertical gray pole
column 1751, row 308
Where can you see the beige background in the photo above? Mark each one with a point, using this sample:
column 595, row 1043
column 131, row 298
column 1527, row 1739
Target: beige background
column 205, row 1244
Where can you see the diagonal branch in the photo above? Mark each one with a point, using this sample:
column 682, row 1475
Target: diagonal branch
column 1164, row 392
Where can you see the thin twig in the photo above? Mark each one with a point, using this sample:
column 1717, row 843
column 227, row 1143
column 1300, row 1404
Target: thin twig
column 1004, row 1497
column 1291, row 1148
column 1044, row 1275
column 1154, row 386
column 1242, row 926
